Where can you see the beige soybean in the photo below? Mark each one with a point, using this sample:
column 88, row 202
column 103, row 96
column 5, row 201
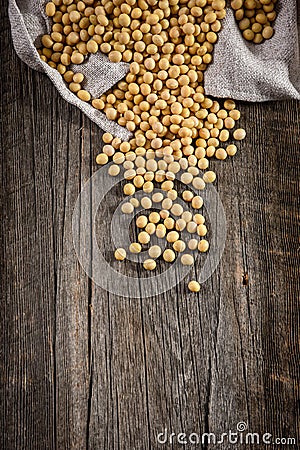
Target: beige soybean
column 155, row 251
column 135, row 202
column 180, row 224
column 187, row 196
column 129, row 189
column 164, row 214
column 114, row 170
column 169, row 255
column 120, row 254
column 135, row 247
column 149, row 264
column 172, row 236
column 157, row 197
column 201, row 230
column 150, row 228
column 102, row 159
column 186, row 178
column 154, row 217
column 239, row 134
column 193, row 244
column 199, row 219
column 203, row 246
column 172, row 194
column 176, row 209
column 143, row 237
column 127, row 208
column 198, row 183
column 194, row 286
column 146, row 202
column 141, row 221
column 191, row 227
column 167, row 203
column 187, row 260
column 221, row 154
column 161, row 231
column 169, row 223
column 179, row 246
column 231, row 150
column 209, row 176
column 197, row 201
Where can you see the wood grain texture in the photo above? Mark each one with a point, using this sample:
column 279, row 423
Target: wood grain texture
column 84, row 369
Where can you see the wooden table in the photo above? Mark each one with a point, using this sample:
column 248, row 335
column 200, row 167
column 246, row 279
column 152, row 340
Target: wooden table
column 82, row 368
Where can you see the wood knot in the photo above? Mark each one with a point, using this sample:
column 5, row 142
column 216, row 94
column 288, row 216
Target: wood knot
column 245, row 279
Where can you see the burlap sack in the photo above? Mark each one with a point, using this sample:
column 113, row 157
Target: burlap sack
column 240, row 70
column 28, row 24
column 250, row 72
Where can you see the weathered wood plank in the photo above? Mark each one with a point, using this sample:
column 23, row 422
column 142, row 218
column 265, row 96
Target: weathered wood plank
column 27, row 281
column 216, row 359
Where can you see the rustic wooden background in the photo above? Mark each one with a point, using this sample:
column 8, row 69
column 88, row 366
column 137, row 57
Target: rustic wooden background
column 84, row 369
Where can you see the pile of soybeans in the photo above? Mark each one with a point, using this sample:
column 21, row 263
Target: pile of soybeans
column 176, row 128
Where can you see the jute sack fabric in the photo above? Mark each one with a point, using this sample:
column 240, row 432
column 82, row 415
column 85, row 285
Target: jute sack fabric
column 28, row 24
column 257, row 72
column 240, row 70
